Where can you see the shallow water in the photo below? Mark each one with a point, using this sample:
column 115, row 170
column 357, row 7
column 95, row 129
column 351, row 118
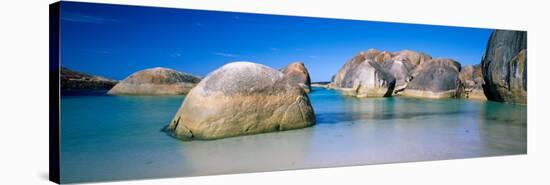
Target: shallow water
column 119, row 137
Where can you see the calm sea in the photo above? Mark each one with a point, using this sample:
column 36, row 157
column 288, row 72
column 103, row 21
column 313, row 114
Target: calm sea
column 119, row 137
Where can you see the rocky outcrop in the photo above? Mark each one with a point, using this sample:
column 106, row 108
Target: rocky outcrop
column 437, row 78
column 471, row 83
column 242, row 98
column 155, row 81
column 362, row 76
column 77, row 81
column 297, row 73
column 504, row 67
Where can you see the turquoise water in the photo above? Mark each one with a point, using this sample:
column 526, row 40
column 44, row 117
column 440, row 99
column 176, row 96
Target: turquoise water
column 119, row 137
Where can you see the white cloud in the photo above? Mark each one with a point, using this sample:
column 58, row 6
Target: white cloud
column 226, row 54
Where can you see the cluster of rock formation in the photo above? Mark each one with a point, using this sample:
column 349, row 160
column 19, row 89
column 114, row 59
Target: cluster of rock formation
column 382, row 74
column 243, row 98
column 75, row 81
column 501, row 76
column 155, row 81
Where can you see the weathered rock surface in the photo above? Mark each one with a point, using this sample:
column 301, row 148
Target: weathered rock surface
column 297, row 73
column 400, row 70
column 155, row 81
column 412, row 57
column 242, row 98
column 437, row 78
column 471, row 83
column 73, row 80
column 504, row 67
column 362, row 76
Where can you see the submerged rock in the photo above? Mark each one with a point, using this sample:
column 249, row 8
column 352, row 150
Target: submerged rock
column 437, row 78
column 362, row 76
column 298, row 74
column 242, row 98
column 504, row 67
column 76, row 81
column 471, row 83
column 155, row 81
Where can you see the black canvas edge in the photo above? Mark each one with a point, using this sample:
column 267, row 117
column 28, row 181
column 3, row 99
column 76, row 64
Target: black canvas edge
column 54, row 152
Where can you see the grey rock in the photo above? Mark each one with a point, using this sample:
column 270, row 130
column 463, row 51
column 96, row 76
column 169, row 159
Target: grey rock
column 437, row 78
column 400, row 70
column 77, row 81
column 296, row 72
column 471, row 83
column 504, row 67
column 362, row 76
column 155, row 81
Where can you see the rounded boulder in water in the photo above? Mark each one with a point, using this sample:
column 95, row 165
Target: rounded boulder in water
column 242, row 98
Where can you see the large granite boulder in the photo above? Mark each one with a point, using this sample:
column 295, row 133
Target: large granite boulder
column 362, row 76
column 242, row 98
column 297, row 73
column 437, row 78
column 155, row 81
column 471, row 83
column 400, row 70
column 77, row 81
column 504, row 67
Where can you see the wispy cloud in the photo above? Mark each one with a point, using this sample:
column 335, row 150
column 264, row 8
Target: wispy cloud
column 226, row 54
column 175, row 55
column 83, row 18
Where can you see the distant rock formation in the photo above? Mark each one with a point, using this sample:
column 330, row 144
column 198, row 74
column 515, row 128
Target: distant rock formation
column 320, row 84
column 471, row 83
column 242, row 98
column 155, row 81
column 77, row 81
column 434, row 79
column 298, row 74
column 504, row 67
column 362, row 76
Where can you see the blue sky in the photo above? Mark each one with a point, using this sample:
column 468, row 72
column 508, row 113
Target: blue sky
column 115, row 41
